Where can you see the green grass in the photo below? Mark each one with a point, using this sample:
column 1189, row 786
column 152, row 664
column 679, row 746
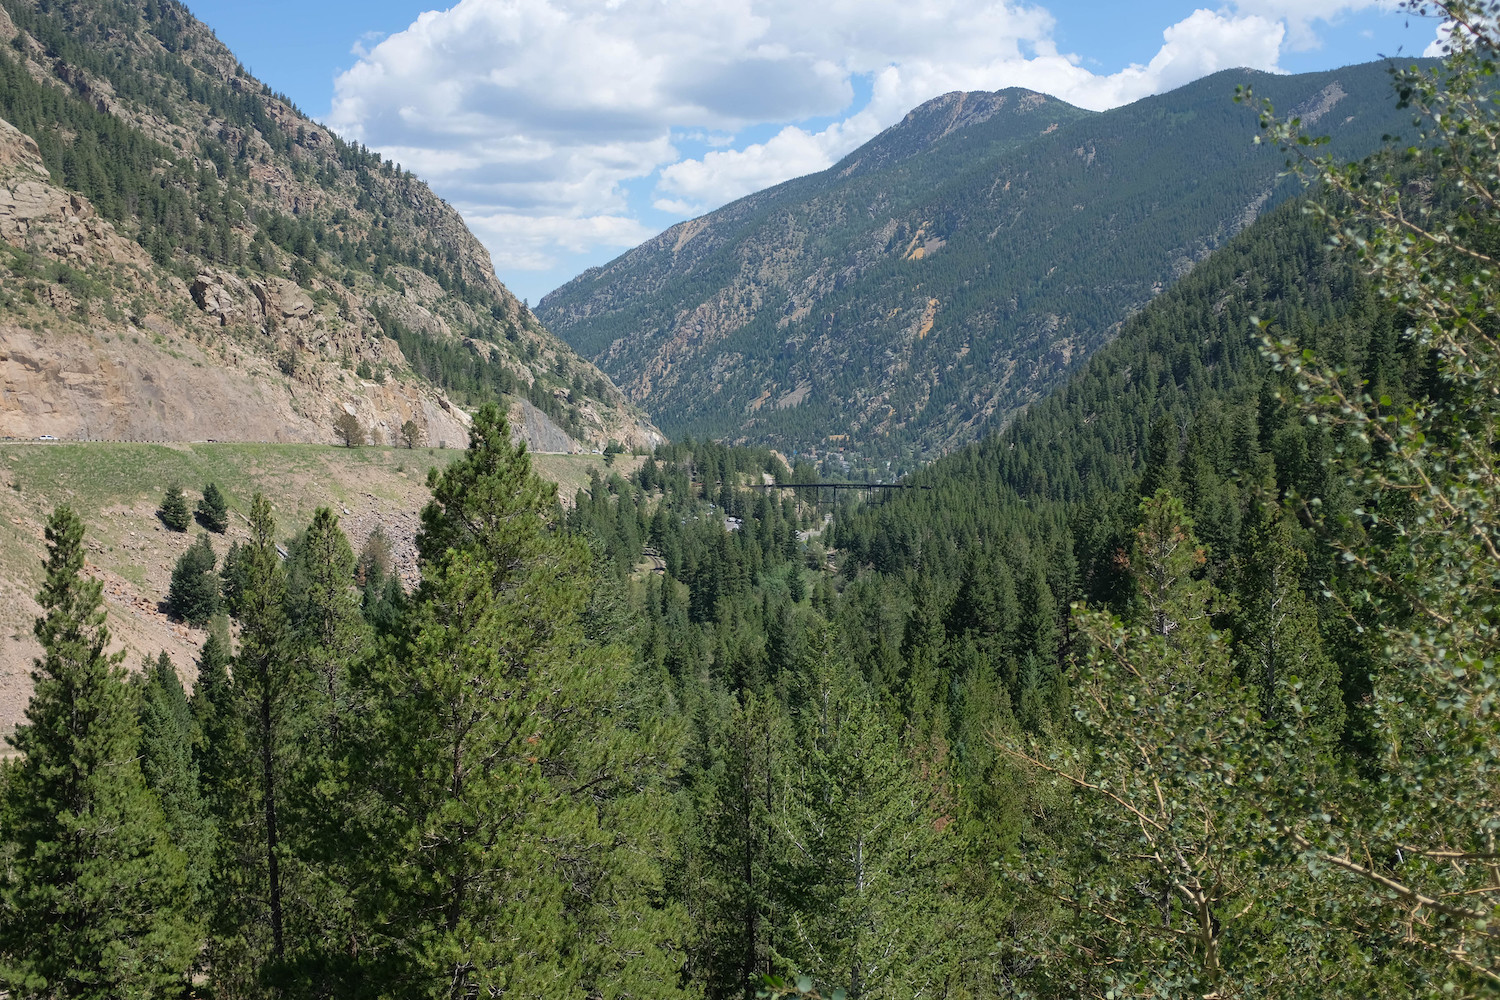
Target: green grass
column 91, row 477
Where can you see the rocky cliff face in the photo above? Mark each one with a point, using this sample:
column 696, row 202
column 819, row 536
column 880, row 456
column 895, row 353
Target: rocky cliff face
column 238, row 272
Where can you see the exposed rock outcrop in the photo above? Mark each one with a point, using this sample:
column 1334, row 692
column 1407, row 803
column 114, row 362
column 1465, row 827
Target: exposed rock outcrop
column 303, row 253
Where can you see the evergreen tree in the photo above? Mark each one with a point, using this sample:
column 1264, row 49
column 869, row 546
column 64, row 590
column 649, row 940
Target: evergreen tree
column 738, row 885
column 1163, row 460
column 349, row 430
column 194, row 592
column 174, row 509
column 248, row 776
column 868, row 859
column 325, row 802
column 519, row 782
column 168, row 735
column 1278, row 644
column 232, row 577
column 213, row 510
column 213, row 711
column 94, row 900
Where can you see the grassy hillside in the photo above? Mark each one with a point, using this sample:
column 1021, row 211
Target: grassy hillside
column 117, row 487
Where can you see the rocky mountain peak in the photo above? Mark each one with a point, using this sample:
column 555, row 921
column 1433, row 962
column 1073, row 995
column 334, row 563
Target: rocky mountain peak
column 1017, row 109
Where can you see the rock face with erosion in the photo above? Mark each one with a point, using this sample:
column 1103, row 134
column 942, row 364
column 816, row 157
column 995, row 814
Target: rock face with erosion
column 249, row 276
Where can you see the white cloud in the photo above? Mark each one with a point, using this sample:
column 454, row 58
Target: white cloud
column 527, row 242
column 1203, row 43
column 1444, row 42
column 537, row 116
column 1300, row 16
column 689, row 187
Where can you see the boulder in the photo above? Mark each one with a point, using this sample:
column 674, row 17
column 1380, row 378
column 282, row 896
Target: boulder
column 226, row 298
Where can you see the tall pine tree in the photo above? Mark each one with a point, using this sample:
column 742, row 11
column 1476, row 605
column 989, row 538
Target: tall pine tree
column 168, row 734
column 94, row 897
column 518, row 765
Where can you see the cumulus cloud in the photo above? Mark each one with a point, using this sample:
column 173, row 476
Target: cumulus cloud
column 1203, row 43
column 1301, row 16
column 543, row 120
column 689, row 186
column 531, row 242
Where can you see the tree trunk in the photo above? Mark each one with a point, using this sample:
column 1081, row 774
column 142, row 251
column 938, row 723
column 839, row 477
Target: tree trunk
column 268, row 773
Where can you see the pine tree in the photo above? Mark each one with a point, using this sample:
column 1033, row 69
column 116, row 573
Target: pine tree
column 868, row 859
column 232, row 577
column 193, row 594
column 213, row 711
column 325, row 802
column 522, row 787
column 92, row 898
column 349, row 430
column 213, row 510
column 168, row 736
column 737, row 886
column 174, row 509
column 1163, row 459
column 247, row 775
column 1276, row 630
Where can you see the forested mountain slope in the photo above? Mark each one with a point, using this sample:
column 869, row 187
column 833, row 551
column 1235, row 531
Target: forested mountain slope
column 187, row 256
column 1183, row 685
column 953, row 617
column 952, row 270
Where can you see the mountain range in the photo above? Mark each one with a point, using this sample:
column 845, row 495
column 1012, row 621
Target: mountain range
column 949, row 272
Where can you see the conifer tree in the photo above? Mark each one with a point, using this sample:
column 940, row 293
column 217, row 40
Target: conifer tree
column 168, row 735
column 523, row 803
column 213, row 510
column 248, row 776
column 1163, row 458
column 1278, row 645
column 325, row 802
column 94, row 893
column 232, row 577
column 174, row 509
column 193, row 594
column 868, row 858
column 215, row 724
column 738, row 889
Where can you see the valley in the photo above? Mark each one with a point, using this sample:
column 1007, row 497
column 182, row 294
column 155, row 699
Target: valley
column 365, row 632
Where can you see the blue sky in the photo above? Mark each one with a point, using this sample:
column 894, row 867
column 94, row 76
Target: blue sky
column 567, row 131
